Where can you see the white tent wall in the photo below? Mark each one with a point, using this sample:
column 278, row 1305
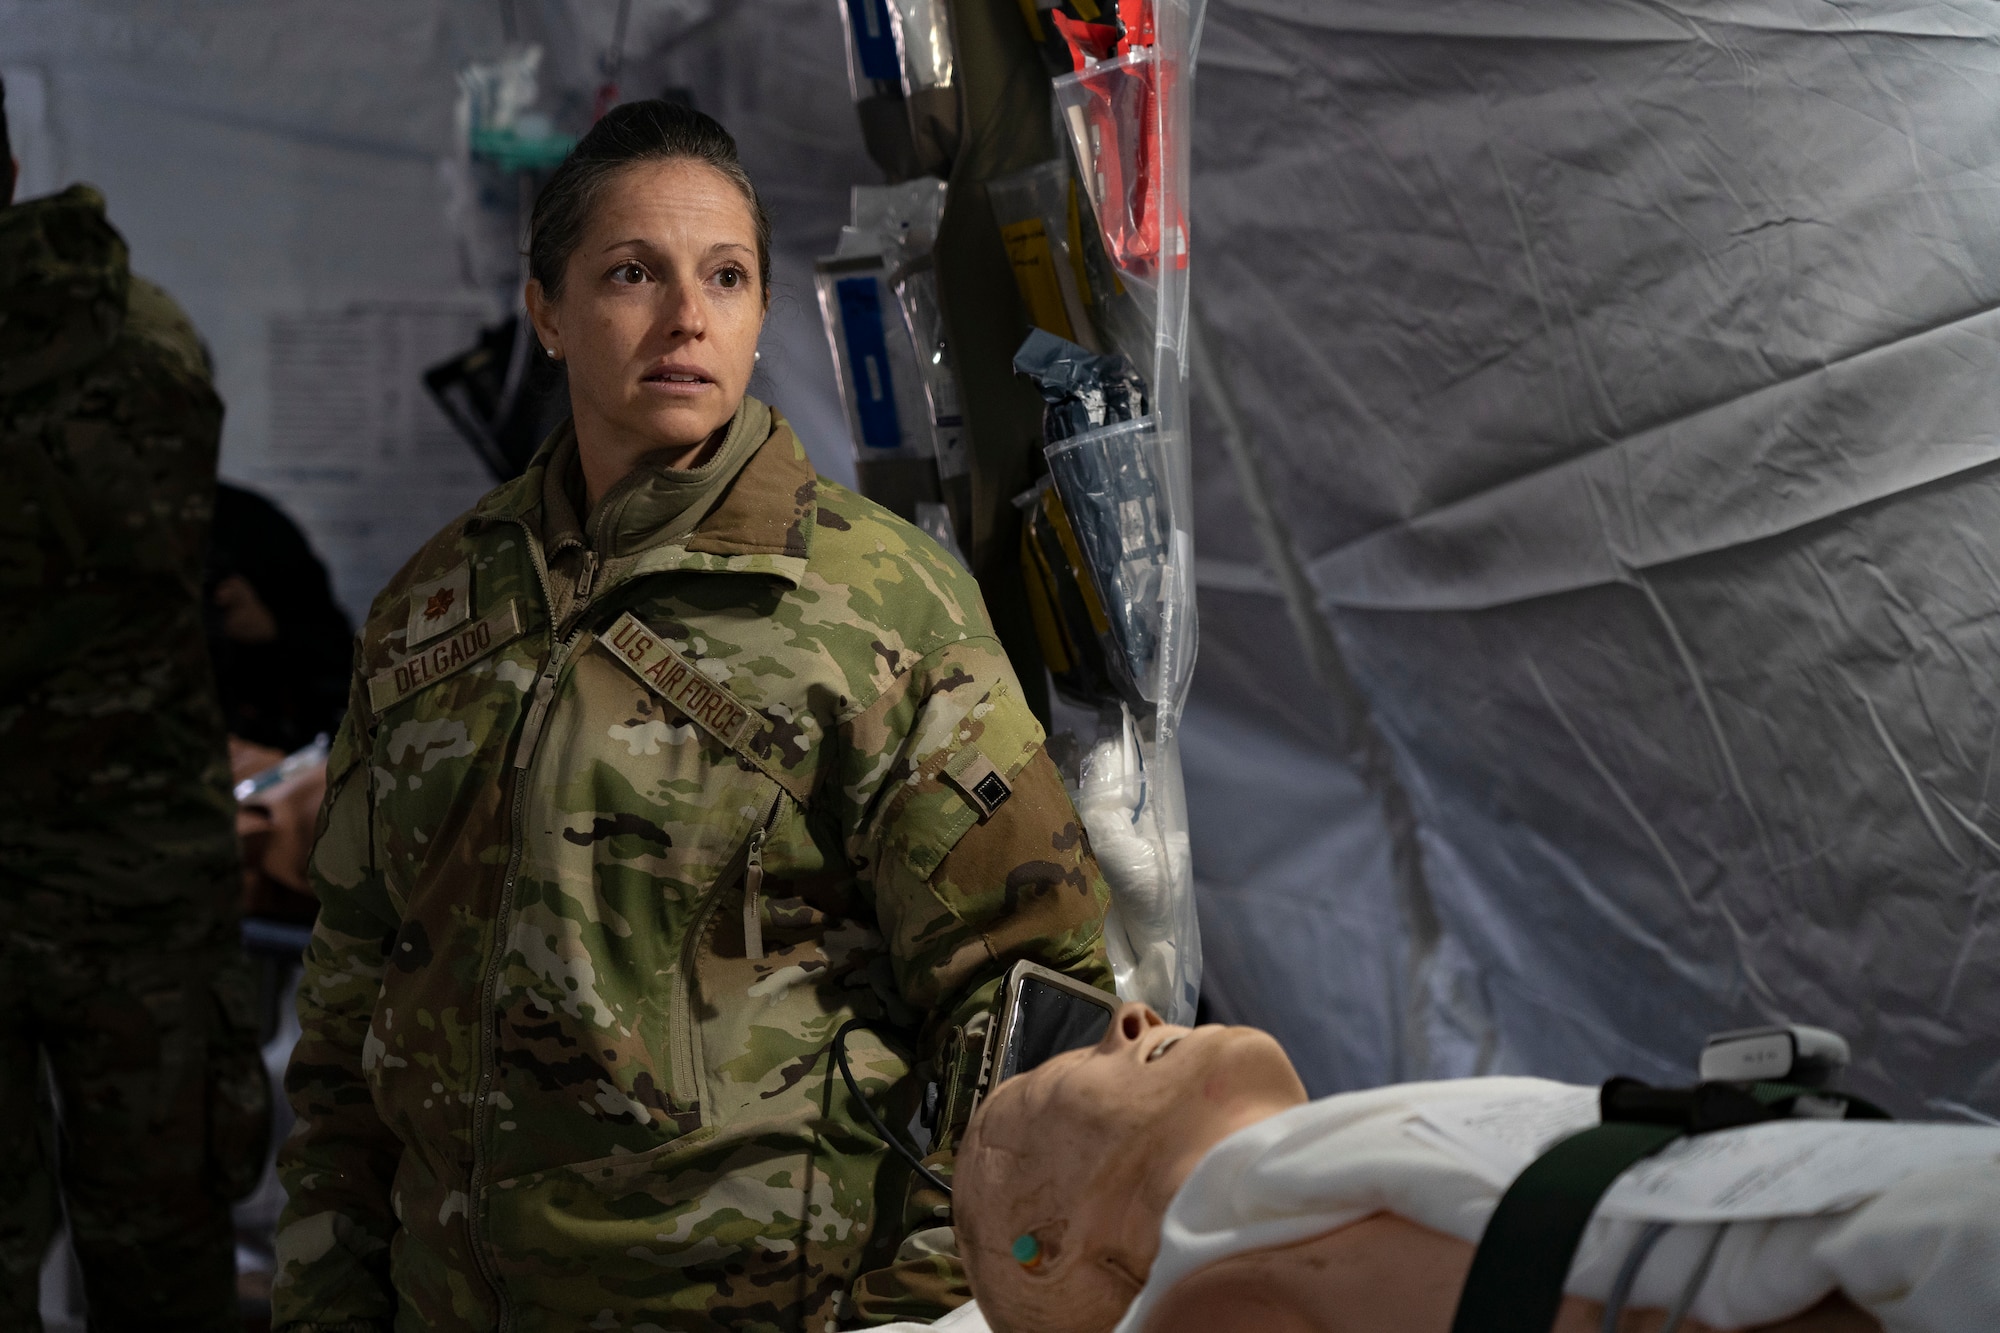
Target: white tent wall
column 1304, row 930
column 1627, row 385
column 286, row 170
column 1593, row 464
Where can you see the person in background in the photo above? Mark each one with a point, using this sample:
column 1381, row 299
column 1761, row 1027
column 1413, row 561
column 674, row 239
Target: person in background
column 121, row 969
column 282, row 646
column 282, row 649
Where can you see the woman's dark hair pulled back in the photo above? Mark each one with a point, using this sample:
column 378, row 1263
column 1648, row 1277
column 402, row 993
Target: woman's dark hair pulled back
column 629, row 134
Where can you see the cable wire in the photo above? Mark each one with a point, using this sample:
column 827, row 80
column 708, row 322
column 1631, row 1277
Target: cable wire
column 854, row 1090
column 1628, row 1272
column 1693, row 1288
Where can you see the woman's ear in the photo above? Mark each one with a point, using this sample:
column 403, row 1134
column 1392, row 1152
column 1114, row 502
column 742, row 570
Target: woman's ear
column 542, row 314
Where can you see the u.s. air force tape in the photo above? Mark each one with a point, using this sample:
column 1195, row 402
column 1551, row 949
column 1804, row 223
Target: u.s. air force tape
column 653, row 660
column 404, row 677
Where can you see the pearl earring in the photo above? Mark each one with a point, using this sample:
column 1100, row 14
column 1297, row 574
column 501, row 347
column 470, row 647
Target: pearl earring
column 757, row 355
column 551, row 352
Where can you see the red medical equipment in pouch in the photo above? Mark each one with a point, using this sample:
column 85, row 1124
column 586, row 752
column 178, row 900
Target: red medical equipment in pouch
column 1110, row 106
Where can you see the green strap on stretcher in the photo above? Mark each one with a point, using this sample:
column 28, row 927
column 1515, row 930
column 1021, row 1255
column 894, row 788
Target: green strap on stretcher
column 1516, row 1282
column 1524, row 1255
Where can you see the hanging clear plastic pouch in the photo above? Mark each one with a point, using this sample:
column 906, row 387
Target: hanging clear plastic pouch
column 1112, row 113
column 875, row 78
column 915, row 285
column 1110, row 486
column 890, row 237
column 924, row 48
column 1122, row 102
column 900, row 223
column 874, row 67
column 1036, row 212
column 1142, row 849
column 901, row 218
column 880, row 383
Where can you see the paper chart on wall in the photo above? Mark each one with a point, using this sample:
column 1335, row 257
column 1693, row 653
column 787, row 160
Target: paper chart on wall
column 1784, row 1169
column 356, row 450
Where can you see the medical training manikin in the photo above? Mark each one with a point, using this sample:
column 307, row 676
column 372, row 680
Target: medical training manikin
column 1172, row 1178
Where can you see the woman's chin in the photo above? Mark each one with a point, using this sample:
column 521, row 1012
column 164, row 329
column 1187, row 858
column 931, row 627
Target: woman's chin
column 681, row 423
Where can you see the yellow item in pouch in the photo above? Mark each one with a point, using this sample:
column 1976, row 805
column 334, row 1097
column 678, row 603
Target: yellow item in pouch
column 1035, row 274
column 1042, row 603
column 1079, row 568
column 1033, row 19
column 1069, row 619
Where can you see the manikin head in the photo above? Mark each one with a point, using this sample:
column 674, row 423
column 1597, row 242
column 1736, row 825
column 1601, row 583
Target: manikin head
column 1082, row 1156
column 650, row 261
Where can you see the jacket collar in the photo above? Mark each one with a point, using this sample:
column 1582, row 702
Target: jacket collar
column 762, row 524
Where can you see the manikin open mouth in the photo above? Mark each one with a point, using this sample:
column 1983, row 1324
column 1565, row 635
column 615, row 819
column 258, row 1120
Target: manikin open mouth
column 1161, row 1049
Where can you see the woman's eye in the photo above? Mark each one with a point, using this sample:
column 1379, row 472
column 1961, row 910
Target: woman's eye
column 730, row 277
column 628, row 273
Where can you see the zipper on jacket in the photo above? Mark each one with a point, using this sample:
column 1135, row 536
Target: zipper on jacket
column 538, row 712
column 753, row 882
column 524, row 752
column 686, row 1089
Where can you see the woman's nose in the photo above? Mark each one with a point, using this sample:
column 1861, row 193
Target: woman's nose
column 1130, row 1023
column 684, row 314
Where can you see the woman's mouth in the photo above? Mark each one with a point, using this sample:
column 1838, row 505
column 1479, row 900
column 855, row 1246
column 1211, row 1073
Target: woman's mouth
column 1163, row 1047
column 677, row 380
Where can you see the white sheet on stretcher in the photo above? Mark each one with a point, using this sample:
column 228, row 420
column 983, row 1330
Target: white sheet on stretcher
column 1904, row 1218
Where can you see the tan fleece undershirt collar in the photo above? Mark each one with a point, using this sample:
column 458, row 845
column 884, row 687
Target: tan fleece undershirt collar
column 655, row 505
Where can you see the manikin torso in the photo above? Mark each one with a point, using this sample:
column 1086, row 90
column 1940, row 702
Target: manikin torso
column 1068, row 1172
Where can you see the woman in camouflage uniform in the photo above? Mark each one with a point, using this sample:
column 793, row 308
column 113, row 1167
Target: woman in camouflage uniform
column 663, row 762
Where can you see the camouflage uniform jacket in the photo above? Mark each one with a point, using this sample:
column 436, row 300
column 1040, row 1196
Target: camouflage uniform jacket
column 116, row 822
column 618, row 832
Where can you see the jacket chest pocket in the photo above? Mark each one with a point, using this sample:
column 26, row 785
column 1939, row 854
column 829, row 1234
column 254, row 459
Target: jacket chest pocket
column 630, row 797
column 438, row 770
column 637, row 827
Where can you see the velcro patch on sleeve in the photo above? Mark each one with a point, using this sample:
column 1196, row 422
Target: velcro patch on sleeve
column 671, row 676
column 412, row 672
column 978, row 781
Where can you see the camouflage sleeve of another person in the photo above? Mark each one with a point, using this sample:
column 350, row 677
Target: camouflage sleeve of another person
column 964, row 888
column 337, row 1165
